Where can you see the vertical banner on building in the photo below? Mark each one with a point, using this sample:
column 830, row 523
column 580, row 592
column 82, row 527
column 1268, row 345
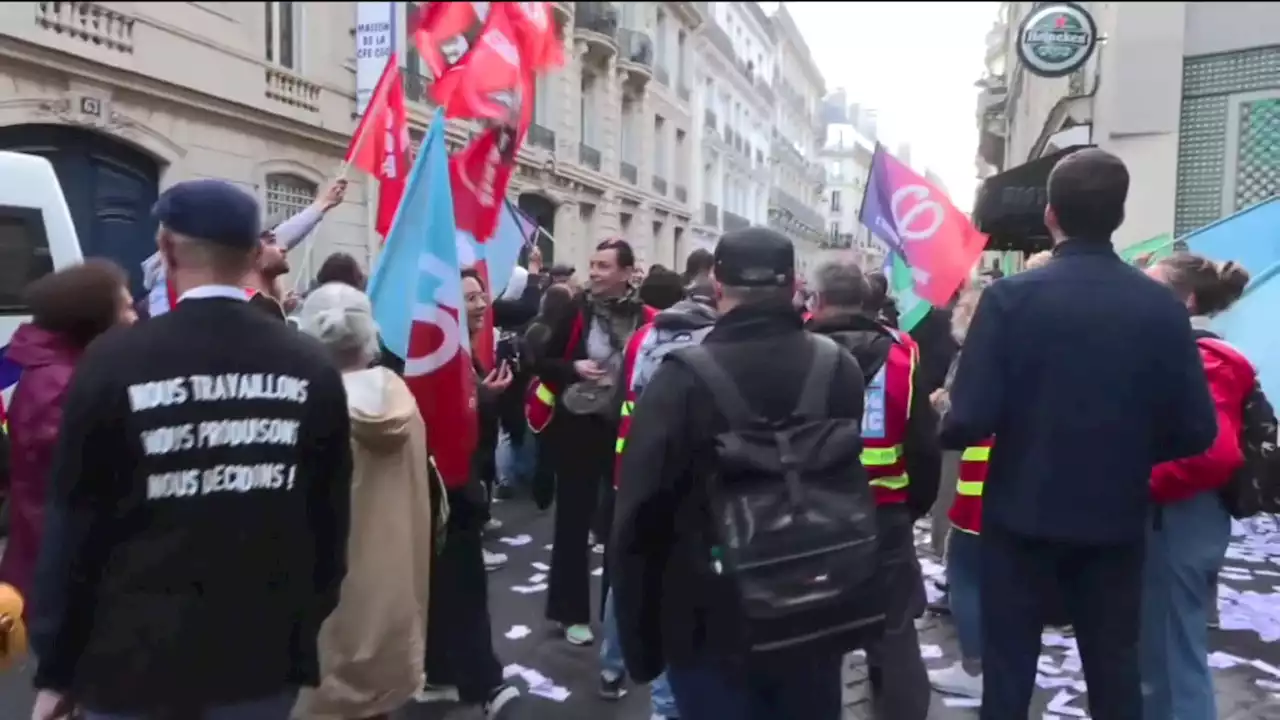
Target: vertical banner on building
column 375, row 40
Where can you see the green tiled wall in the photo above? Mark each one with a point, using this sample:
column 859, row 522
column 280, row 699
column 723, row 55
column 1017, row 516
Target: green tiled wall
column 1207, row 86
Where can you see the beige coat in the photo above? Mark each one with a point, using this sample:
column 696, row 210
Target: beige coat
column 372, row 646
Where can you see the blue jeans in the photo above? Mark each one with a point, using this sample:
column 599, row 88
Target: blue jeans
column 721, row 690
column 611, row 665
column 515, row 466
column 276, row 707
column 964, row 578
column 1182, row 557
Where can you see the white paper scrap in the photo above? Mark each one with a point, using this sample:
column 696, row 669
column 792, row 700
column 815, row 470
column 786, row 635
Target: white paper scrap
column 517, row 632
column 597, row 572
column 537, row 578
column 541, row 567
column 1222, row 660
column 1061, row 705
column 529, row 589
column 516, row 540
column 929, row 652
column 554, row 693
column 961, row 702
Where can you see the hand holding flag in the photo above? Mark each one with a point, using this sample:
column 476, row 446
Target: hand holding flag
column 380, row 144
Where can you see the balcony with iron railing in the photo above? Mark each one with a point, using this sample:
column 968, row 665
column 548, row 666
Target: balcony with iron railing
column 791, row 209
column 635, row 56
column 629, row 172
column 589, row 156
column 710, row 214
column 720, row 39
column 660, row 185
column 734, row 221
column 542, row 137
column 415, row 87
column 596, row 24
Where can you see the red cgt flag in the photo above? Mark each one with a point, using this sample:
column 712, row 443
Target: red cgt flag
column 539, row 45
column 380, row 144
column 440, row 33
column 488, row 81
column 479, row 175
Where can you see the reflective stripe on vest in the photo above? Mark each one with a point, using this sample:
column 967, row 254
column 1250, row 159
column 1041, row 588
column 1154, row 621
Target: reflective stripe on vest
column 632, row 351
column 966, row 510
column 887, row 409
column 544, row 394
column 540, row 399
column 628, row 406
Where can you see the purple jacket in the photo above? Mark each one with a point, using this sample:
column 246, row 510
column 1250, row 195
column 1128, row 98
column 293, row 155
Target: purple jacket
column 47, row 361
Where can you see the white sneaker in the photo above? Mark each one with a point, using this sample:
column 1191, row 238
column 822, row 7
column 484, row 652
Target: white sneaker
column 494, row 560
column 436, row 693
column 955, row 681
column 498, row 700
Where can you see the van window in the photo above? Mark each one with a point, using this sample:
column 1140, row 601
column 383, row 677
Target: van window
column 24, row 255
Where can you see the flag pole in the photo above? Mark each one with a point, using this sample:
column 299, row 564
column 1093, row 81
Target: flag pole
column 343, row 170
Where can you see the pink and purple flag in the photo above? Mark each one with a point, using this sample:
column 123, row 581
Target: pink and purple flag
column 919, row 223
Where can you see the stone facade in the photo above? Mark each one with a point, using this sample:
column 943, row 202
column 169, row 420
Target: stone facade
column 262, row 94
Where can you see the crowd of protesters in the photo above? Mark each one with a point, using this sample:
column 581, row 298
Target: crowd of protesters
column 215, row 515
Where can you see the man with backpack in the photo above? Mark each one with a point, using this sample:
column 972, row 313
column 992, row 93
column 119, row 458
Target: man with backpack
column 902, row 458
column 682, row 325
column 744, row 552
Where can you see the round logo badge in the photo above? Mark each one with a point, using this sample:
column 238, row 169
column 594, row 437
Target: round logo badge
column 1056, row 39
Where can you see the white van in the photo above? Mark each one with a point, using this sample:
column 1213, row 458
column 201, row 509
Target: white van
column 36, row 238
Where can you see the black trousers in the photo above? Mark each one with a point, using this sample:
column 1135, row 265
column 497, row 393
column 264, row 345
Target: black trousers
column 459, row 633
column 583, row 447
column 1101, row 592
column 895, row 666
column 544, row 474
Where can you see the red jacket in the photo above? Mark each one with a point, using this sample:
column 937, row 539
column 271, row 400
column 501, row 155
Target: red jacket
column 1231, row 378
column 47, row 361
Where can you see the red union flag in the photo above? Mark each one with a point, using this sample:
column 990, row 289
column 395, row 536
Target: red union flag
column 439, row 32
column 539, row 45
column 479, row 176
column 380, row 144
column 486, row 84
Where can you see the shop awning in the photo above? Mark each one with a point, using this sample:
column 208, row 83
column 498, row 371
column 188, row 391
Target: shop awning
column 1010, row 205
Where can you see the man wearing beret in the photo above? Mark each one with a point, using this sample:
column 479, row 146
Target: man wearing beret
column 263, row 280
column 198, row 506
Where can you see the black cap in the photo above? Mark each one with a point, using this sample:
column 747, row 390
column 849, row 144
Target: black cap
column 755, row 257
column 210, row 210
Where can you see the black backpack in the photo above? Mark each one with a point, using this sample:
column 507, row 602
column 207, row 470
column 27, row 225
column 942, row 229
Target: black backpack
column 792, row 516
column 1255, row 487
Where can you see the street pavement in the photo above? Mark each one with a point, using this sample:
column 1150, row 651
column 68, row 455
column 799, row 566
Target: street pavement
column 1246, row 657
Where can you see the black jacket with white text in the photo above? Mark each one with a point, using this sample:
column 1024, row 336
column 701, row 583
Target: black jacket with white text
column 195, row 537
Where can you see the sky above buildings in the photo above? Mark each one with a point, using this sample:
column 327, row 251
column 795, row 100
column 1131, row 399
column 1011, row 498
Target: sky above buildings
column 915, row 63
